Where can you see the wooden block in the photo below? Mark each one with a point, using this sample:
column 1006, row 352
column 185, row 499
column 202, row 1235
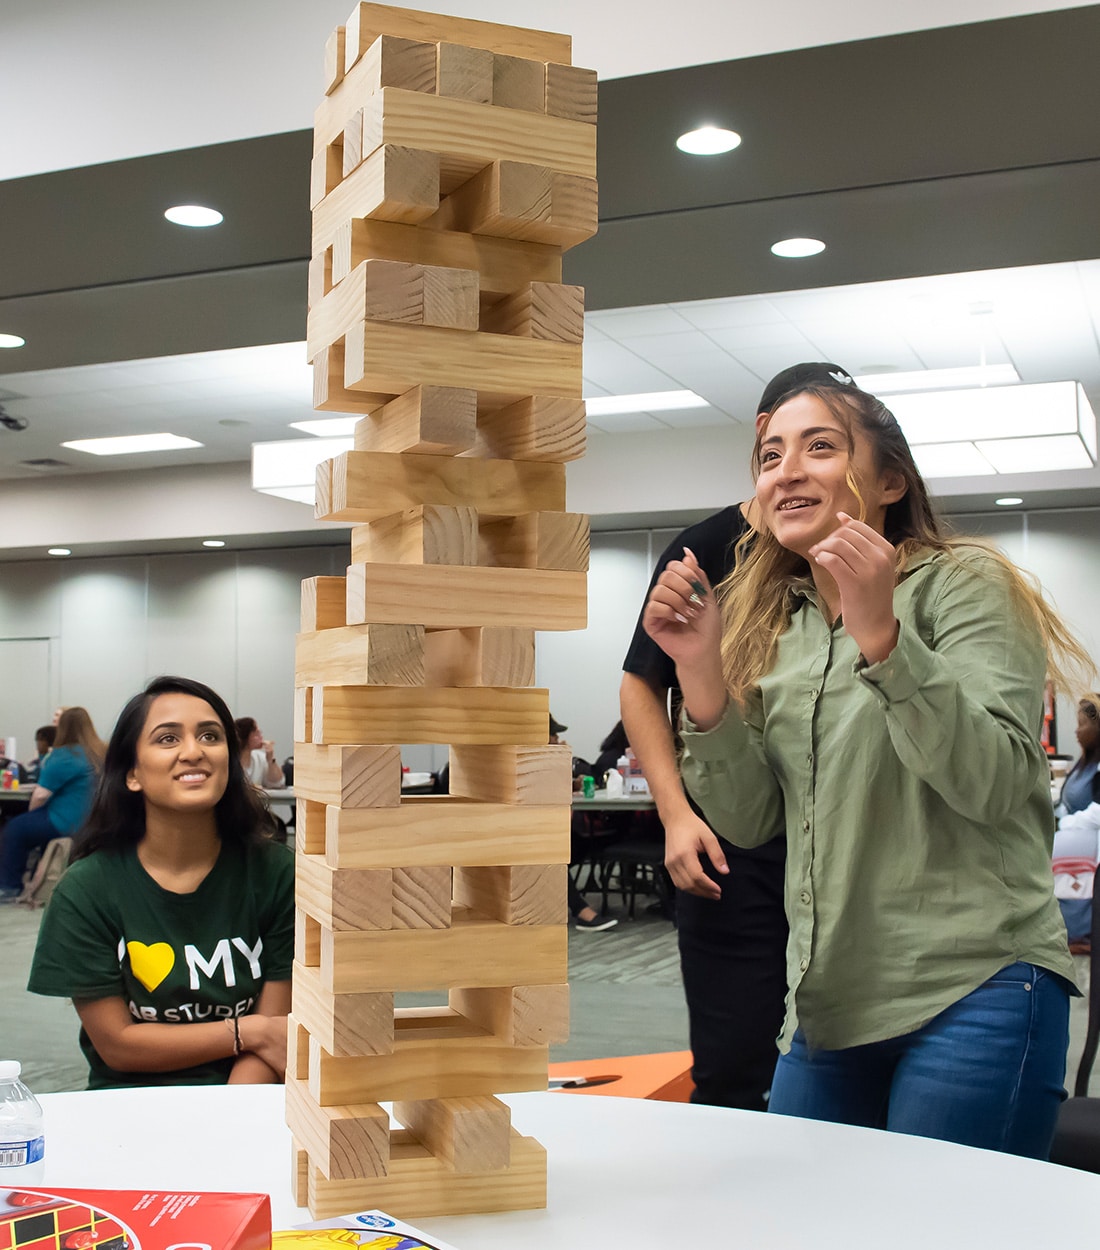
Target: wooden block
column 538, row 427
column 515, row 894
column 428, row 714
column 505, row 774
column 391, row 184
column 351, row 147
column 479, row 657
column 348, row 776
column 297, row 1048
column 367, row 655
column 425, row 535
column 430, row 420
column 393, row 358
column 322, row 603
column 520, row 1015
column 329, row 392
column 319, row 277
column 444, row 596
column 422, row 896
column 344, row 898
column 519, row 83
column 299, row 1175
column 392, row 290
column 522, row 200
column 418, row 1185
column 334, row 60
column 307, row 939
column 502, row 264
column 322, row 489
column 309, row 826
column 465, row 73
column 535, row 540
column 371, row 484
column 430, row 828
column 539, row 310
column 572, row 92
column 303, row 715
column 326, row 168
column 468, row 136
column 470, row 1134
column 343, row 1024
column 352, row 1140
column 389, row 61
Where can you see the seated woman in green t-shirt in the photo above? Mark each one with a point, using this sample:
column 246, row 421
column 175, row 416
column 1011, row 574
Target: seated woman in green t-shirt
column 173, row 930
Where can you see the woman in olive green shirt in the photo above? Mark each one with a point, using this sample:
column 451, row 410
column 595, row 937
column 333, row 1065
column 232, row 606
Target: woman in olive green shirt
column 878, row 688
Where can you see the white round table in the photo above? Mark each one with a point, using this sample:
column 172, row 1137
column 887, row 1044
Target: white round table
column 623, row 1173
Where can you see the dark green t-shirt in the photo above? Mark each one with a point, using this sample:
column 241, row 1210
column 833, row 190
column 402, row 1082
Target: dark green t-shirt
column 110, row 930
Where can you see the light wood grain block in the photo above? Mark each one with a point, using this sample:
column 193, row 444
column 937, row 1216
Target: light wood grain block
column 343, row 1024
column 391, row 185
column 539, row 310
column 297, row 1049
column 479, row 657
column 418, row 1185
column 515, row 894
column 468, row 136
column 428, row 714
column 309, row 826
column 368, row 655
column 319, row 278
column 443, row 596
column 451, row 1060
column 346, row 1141
column 303, row 714
column 344, row 898
column 471, row 1134
column 349, row 776
column 351, row 145
column 322, row 489
column 326, row 168
column 506, row 774
column 334, row 60
column 538, row 427
column 428, row 534
column 502, row 265
column 535, row 540
column 299, row 1175
column 431, row 829
column 522, row 200
column 370, row 484
column 322, row 603
column 465, row 73
column 519, row 83
column 307, row 939
column 390, row 60
column 520, row 1015
column 428, row 420
column 470, row 952
column 386, row 357
column 329, row 392
column 572, row 92
column 422, row 897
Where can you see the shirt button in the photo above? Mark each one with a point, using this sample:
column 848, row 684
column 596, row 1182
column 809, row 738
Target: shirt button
column 805, row 896
column 804, row 964
column 806, row 826
column 814, row 694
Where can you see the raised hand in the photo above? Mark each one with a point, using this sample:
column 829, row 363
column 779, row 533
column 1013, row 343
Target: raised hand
column 863, row 565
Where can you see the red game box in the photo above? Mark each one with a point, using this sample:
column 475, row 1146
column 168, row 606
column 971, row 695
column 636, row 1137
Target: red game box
column 132, row 1219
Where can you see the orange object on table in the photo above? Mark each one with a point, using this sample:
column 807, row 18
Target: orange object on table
column 665, row 1077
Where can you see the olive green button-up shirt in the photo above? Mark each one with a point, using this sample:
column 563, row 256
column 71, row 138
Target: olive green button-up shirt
column 916, row 800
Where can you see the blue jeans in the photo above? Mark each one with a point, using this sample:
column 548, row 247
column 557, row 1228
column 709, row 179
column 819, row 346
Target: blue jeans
column 986, row 1072
column 17, row 839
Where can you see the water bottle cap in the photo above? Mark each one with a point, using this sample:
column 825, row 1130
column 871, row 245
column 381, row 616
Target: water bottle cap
column 10, row 1069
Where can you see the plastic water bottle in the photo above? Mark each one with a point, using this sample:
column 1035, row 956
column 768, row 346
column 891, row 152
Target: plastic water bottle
column 22, row 1139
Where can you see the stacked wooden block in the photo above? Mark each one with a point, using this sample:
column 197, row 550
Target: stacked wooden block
column 454, row 163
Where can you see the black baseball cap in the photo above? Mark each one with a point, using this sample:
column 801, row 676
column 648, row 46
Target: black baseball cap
column 808, row 373
column 556, row 727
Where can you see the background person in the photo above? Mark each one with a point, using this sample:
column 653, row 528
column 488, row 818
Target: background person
column 173, row 929
column 1077, row 841
column 44, row 738
column 59, row 801
column 258, row 755
column 880, row 687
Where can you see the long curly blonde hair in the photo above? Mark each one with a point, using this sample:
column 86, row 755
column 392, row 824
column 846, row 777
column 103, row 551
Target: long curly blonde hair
column 757, row 597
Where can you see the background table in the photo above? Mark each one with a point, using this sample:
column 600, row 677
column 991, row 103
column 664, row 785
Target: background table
column 602, row 802
column 623, row 1173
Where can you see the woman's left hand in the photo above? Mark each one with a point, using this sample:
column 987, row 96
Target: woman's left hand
column 863, row 565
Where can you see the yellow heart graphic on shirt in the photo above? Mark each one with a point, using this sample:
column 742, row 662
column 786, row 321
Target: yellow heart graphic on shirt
column 151, row 964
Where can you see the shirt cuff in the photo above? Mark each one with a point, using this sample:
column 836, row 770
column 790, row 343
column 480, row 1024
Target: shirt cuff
column 904, row 671
column 709, row 745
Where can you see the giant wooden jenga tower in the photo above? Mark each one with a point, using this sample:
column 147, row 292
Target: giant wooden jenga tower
column 454, row 162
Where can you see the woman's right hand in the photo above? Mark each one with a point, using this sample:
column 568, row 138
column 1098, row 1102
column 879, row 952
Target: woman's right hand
column 681, row 615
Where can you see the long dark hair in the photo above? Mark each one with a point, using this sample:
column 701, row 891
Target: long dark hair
column 117, row 817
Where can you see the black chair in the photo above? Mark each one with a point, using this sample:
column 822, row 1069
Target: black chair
column 1077, row 1138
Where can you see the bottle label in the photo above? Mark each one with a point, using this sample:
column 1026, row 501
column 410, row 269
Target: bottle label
column 17, row 1154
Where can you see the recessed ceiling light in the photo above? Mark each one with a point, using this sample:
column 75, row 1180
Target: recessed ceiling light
column 708, row 141
column 328, row 427
column 195, row 215
column 129, row 444
column 798, row 247
column 213, row 542
column 58, row 551
column 11, row 340
column 1008, row 501
column 650, row 401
